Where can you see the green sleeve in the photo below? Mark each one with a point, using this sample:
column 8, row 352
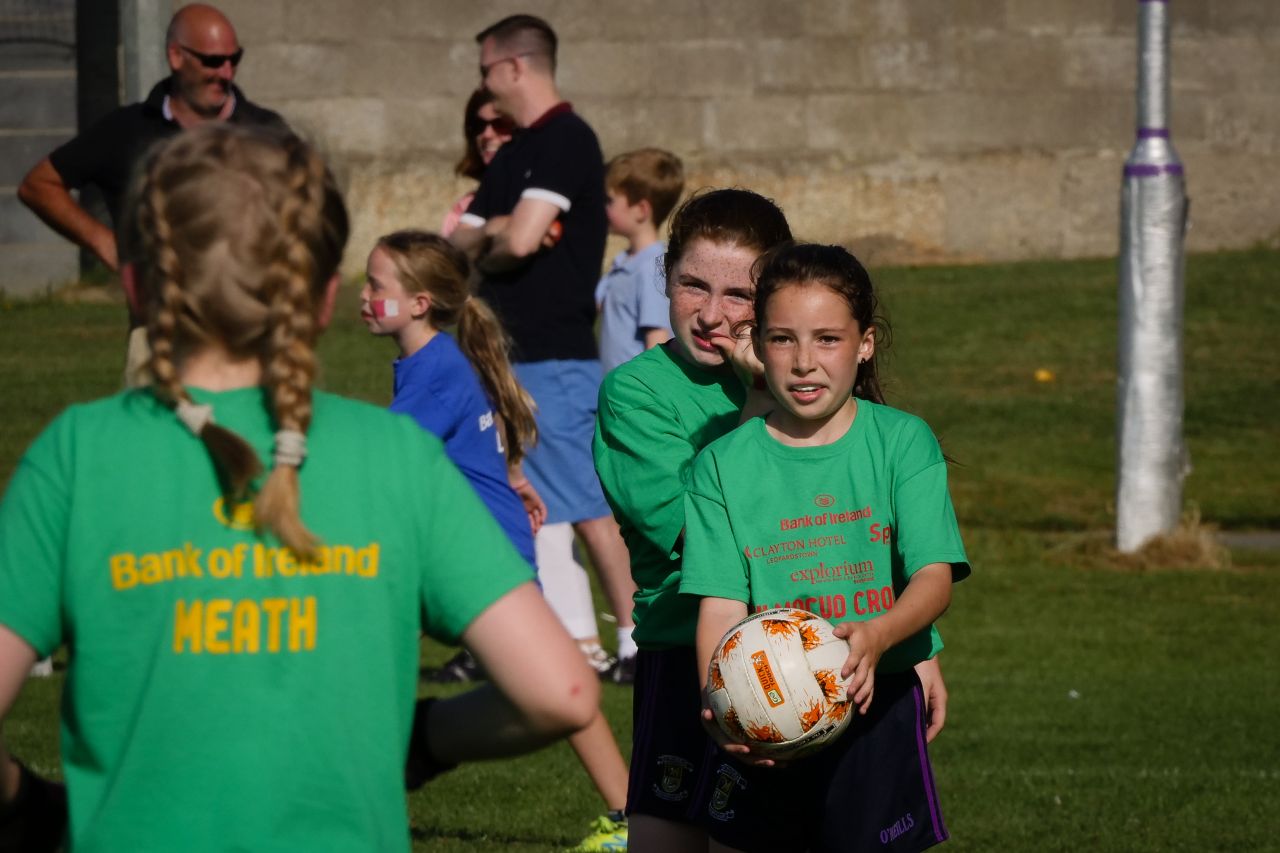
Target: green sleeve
column 467, row 561
column 643, row 456
column 33, row 536
column 927, row 531
column 712, row 565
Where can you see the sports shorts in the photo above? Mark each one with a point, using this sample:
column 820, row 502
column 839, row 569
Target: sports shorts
column 560, row 464
column 871, row 790
column 671, row 753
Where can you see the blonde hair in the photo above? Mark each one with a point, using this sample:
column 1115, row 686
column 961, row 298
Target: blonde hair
column 234, row 235
column 647, row 174
column 428, row 263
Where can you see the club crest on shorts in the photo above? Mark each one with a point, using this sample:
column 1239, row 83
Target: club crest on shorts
column 728, row 780
column 673, row 778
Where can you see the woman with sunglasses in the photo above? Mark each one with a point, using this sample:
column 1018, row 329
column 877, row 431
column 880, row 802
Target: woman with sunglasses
column 484, row 131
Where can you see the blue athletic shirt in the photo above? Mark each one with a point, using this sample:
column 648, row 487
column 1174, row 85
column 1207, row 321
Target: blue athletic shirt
column 439, row 388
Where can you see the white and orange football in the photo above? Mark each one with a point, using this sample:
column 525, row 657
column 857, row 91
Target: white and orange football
column 774, row 683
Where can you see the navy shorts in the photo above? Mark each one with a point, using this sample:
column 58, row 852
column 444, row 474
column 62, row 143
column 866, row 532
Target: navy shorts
column 560, row 464
column 672, row 756
column 870, row 790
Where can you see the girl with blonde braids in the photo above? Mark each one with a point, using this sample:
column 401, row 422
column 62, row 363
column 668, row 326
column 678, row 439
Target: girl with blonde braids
column 244, row 647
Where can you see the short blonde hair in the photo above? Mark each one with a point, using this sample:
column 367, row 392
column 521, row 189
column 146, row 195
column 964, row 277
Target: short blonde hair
column 647, row 174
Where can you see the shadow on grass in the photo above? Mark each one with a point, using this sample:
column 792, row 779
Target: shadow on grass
column 433, row 835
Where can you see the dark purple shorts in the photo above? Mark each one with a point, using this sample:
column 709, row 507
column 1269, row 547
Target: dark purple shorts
column 671, row 754
column 870, row 790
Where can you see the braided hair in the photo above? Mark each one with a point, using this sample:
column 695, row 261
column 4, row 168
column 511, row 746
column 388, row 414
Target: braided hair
column 234, row 235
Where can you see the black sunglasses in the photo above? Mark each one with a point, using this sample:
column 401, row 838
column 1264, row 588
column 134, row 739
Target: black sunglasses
column 215, row 60
column 501, row 124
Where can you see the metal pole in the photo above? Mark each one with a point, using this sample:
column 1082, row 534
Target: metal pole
column 142, row 27
column 1152, row 455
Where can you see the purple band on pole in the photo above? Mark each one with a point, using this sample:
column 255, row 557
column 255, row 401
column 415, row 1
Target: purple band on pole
column 1140, row 2
column 1149, row 171
column 1153, row 133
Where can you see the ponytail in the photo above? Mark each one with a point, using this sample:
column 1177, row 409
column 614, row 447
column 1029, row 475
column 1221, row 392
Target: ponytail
column 486, row 345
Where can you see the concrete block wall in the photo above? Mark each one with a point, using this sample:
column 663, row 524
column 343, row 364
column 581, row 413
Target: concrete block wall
column 913, row 130
column 37, row 113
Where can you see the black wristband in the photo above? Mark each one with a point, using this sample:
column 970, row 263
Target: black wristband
column 422, row 766
column 35, row 820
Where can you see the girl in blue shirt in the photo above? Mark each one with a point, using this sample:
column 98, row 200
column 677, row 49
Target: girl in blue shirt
column 416, row 287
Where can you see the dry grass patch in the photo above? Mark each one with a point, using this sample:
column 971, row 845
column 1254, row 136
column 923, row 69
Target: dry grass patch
column 1192, row 545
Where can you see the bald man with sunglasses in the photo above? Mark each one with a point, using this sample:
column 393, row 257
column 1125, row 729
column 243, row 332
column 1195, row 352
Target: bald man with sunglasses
column 203, row 54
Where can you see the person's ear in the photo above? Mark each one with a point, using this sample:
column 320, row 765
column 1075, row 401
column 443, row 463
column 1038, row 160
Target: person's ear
column 129, row 281
column 867, row 346
column 644, row 210
column 174, row 54
column 325, row 315
column 420, row 305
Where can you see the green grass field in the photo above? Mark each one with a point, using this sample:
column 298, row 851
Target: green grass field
column 1093, row 706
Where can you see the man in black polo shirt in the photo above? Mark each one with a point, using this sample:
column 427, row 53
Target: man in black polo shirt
column 203, row 53
column 550, row 174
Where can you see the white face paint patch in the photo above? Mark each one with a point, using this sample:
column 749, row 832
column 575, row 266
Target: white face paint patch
column 385, row 307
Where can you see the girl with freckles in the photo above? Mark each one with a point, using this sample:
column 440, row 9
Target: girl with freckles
column 889, row 553
column 656, row 413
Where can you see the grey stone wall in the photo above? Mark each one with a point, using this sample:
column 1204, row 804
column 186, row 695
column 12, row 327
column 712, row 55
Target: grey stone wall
column 913, row 130
column 37, row 112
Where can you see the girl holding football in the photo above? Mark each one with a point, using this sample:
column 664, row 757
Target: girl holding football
column 656, row 412
column 886, row 559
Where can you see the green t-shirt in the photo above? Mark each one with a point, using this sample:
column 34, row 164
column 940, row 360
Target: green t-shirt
column 221, row 695
column 656, row 412
column 837, row 530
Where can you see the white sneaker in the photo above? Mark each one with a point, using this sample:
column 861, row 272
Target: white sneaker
column 599, row 660
column 42, row 668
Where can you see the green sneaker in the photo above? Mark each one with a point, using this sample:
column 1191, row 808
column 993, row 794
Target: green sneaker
column 606, row 834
